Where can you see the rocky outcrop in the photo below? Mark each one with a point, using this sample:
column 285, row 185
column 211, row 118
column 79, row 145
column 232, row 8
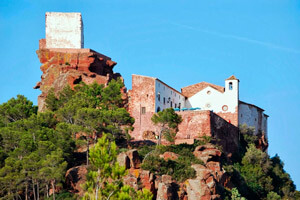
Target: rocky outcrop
column 205, row 185
column 134, row 158
column 207, row 153
column 169, row 156
column 75, row 177
column 63, row 67
column 123, row 160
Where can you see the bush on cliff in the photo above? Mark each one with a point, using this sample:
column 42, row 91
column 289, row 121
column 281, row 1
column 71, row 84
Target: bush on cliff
column 105, row 175
column 91, row 110
column 258, row 176
column 167, row 121
column 180, row 169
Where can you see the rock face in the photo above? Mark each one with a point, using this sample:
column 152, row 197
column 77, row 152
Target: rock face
column 207, row 153
column 123, row 160
column 205, row 185
column 63, row 67
column 75, row 177
column 134, row 158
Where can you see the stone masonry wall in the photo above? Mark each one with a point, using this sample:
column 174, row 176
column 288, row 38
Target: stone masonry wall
column 142, row 98
column 194, row 125
column 232, row 118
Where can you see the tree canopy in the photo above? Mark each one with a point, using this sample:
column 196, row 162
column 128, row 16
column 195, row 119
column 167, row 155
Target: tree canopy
column 168, row 122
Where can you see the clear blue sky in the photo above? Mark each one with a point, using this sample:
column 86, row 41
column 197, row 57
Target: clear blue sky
column 180, row 42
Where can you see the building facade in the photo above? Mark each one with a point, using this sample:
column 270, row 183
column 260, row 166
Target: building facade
column 196, row 103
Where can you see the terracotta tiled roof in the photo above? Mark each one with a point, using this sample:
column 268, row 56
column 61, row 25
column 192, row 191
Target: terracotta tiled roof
column 232, row 78
column 193, row 89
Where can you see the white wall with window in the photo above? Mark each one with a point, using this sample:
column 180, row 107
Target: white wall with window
column 167, row 97
column 211, row 99
column 253, row 116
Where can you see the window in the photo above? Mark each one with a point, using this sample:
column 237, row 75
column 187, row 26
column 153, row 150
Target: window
column 164, row 100
column 158, row 109
column 179, row 106
column 171, row 104
column 175, row 105
column 225, row 108
column 230, row 85
column 158, row 96
column 208, row 92
column 171, row 91
column 143, row 110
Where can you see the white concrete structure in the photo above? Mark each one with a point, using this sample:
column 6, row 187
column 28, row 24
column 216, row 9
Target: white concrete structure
column 212, row 98
column 167, row 97
column 64, row 30
column 253, row 116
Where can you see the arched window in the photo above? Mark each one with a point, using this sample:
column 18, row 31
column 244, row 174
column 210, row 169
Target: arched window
column 230, row 85
column 158, row 109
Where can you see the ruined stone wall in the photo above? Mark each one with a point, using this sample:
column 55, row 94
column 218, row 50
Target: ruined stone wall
column 194, row 125
column 142, row 104
column 64, row 30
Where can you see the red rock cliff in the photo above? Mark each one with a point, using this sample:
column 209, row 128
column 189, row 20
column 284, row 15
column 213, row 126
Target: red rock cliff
column 63, row 67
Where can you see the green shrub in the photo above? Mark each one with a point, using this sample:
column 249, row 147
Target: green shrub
column 144, row 150
column 180, row 171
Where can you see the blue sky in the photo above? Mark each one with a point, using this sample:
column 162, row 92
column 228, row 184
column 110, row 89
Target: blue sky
column 180, row 42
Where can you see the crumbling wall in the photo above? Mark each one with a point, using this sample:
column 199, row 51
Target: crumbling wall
column 142, row 105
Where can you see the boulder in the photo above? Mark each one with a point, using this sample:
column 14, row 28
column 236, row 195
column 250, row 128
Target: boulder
column 202, row 173
column 207, row 153
column 131, row 180
column 147, row 180
column 169, row 156
column 123, row 160
column 75, row 177
column 134, row 158
column 196, row 189
column 166, row 188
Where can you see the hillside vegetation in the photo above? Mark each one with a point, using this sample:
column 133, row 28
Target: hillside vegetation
column 89, row 126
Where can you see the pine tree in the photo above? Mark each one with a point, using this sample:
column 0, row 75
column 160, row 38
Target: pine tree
column 168, row 122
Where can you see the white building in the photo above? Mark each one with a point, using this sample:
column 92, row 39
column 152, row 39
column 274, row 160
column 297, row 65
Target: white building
column 151, row 95
column 167, row 97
